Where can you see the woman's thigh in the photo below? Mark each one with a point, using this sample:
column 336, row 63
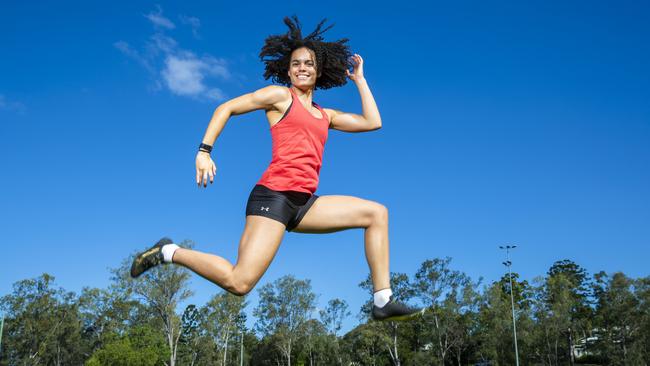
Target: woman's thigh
column 259, row 243
column 334, row 213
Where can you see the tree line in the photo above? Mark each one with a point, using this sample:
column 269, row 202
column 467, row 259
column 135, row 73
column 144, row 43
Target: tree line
column 564, row 317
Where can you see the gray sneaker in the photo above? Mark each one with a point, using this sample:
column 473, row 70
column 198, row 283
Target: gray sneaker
column 395, row 311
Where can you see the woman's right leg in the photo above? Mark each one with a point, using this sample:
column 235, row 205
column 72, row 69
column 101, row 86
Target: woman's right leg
column 259, row 243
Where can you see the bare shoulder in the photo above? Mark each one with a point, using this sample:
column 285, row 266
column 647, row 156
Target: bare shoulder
column 266, row 98
column 272, row 94
column 331, row 113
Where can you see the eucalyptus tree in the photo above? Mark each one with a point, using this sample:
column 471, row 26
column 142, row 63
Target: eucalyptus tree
column 284, row 307
column 161, row 290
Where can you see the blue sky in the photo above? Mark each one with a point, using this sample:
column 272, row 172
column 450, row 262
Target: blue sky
column 504, row 122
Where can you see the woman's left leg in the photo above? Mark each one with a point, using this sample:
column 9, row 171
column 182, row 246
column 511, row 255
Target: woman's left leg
column 335, row 213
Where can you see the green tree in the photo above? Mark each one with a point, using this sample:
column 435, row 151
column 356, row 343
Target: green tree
column 640, row 351
column 334, row 314
column 196, row 346
column 552, row 310
column 462, row 306
column 332, row 317
column 317, row 346
column 106, row 312
column 562, row 312
column 142, row 346
column 284, row 306
column 571, row 284
column 392, row 331
column 495, row 343
column 618, row 317
column 42, row 324
column 443, row 290
column 225, row 321
column 160, row 289
column 366, row 345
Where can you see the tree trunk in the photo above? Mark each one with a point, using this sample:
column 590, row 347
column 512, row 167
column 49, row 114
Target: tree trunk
column 397, row 361
column 571, row 358
column 548, row 347
column 170, row 341
column 225, row 347
column 289, row 354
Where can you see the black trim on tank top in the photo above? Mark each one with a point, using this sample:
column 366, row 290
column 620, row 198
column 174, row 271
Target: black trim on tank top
column 285, row 112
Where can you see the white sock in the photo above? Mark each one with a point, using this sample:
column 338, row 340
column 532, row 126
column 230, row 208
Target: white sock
column 382, row 297
column 168, row 252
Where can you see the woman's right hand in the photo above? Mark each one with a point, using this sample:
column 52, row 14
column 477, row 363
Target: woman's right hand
column 204, row 168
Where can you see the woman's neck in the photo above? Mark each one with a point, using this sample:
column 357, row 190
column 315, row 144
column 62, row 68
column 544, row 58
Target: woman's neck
column 304, row 95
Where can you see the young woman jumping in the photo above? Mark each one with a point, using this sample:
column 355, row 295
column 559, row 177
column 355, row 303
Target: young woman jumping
column 284, row 199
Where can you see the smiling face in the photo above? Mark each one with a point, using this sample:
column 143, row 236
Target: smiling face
column 302, row 68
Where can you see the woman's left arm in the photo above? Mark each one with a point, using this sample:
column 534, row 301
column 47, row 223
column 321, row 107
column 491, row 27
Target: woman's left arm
column 350, row 122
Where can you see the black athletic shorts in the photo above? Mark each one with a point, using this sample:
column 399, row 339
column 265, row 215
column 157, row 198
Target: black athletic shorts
column 287, row 207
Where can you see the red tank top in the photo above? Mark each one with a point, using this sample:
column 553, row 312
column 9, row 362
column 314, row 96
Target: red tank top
column 298, row 143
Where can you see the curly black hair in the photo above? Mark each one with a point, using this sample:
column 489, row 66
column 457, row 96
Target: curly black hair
column 332, row 58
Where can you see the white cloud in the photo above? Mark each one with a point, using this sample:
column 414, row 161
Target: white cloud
column 179, row 70
column 184, row 75
column 193, row 22
column 163, row 43
column 159, row 20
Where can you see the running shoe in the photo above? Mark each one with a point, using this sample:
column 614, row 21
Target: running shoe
column 149, row 258
column 395, row 311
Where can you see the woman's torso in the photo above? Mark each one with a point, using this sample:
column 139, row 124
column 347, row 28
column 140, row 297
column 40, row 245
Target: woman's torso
column 298, row 143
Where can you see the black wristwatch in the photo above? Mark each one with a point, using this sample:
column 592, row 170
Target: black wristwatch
column 205, row 148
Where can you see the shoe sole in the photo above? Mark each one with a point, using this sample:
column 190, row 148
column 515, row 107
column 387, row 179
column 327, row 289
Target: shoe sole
column 399, row 318
column 137, row 262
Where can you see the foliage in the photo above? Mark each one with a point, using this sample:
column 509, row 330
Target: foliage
column 142, row 346
column 565, row 317
column 285, row 305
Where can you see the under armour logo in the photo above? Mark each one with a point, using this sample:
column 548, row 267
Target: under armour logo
column 265, row 208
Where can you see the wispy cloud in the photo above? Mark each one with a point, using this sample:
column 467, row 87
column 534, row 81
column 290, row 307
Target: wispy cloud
column 193, row 22
column 134, row 54
column 159, row 20
column 184, row 75
column 9, row 105
column 181, row 71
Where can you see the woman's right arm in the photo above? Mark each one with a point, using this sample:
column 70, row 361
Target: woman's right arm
column 265, row 98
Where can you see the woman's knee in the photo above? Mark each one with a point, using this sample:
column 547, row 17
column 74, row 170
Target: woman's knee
column 378, row 214
column 240, row 288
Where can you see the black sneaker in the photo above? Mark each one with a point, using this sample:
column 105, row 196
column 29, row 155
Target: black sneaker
column 149, row 258
column 395, row 311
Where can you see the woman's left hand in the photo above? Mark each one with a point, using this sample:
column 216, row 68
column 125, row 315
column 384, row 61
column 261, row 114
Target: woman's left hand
column 357, row 72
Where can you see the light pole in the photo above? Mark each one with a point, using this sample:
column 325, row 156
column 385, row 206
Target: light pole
column 508, row 263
